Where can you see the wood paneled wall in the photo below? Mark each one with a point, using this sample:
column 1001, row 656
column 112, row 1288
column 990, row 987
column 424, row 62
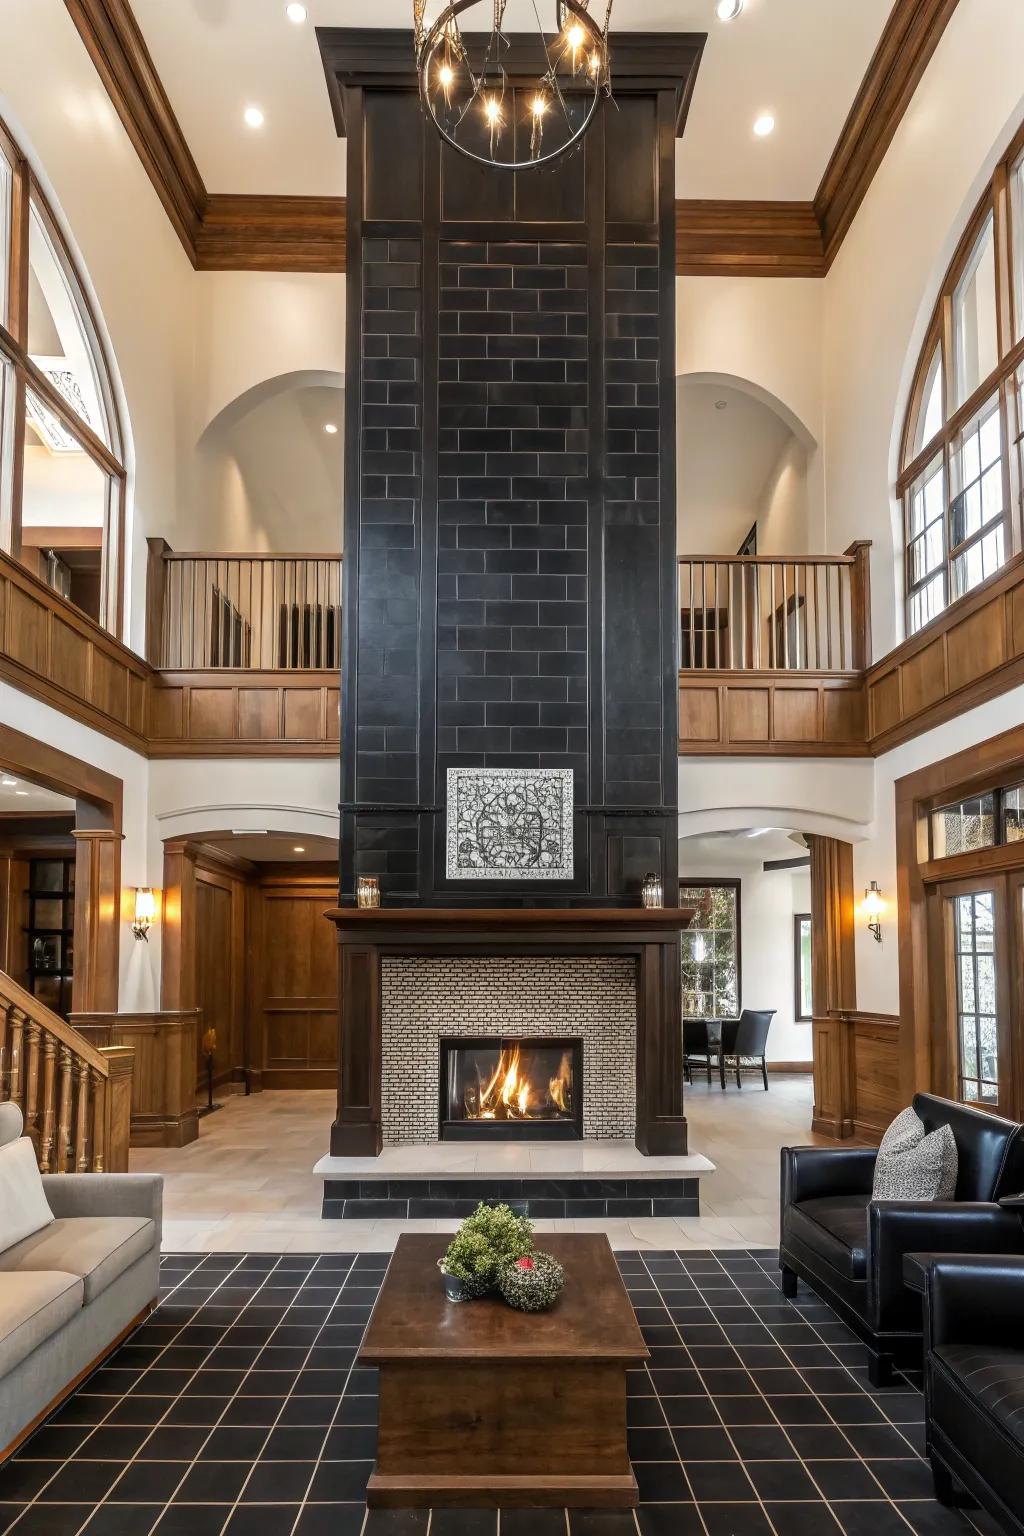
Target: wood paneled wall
column 227, row 713
column 250, row 947
column 790, row 714
column 856, row 1073
column 973, row 652
column 296, row 1004
column 164, row 1080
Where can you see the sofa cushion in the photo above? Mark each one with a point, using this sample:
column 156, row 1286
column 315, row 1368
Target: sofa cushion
column 34, row 1304
column 98, row 1248
column 836, row 1228
column 915, row 1164
column 23, row 1206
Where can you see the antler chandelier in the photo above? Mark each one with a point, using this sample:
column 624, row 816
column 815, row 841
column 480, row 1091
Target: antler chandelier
column 479, row 111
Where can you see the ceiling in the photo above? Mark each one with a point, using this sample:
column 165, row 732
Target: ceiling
column 751, row 846
column 21, row 798
column 800, row 60
column 275, row 847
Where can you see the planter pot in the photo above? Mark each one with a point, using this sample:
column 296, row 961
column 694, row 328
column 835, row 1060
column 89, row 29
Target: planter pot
column 463, row 1290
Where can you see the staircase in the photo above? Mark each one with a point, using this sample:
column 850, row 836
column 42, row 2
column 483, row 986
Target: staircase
column 75, row 1097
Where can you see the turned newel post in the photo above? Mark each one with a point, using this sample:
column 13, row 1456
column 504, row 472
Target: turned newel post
column 97, row 919
column 860, row 603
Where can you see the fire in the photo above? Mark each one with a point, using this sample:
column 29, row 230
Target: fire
column 509, row 1094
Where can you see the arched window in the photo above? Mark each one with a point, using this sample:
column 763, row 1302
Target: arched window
column 62, row 478
column 962, row 450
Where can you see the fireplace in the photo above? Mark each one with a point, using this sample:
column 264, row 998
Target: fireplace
column 511, row 1089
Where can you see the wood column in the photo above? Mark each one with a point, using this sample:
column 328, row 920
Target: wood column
column 178, row 941
column 833, row 982
column 97, row 919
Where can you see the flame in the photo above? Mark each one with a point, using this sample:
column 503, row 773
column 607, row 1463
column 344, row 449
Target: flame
column 509, row 1094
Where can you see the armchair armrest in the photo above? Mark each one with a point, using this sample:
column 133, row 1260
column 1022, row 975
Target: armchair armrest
column 106, row 1194
column 811, row 1172
column 1013, row 1203
column 974, row 1299
column 896, row 1227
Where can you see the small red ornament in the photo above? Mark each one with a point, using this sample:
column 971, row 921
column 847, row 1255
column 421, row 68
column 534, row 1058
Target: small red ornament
column 526, row 1263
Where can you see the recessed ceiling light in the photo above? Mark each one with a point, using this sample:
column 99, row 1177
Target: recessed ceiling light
column 298, row 848
column 296, row 13
column 330, row 428
column 728, row 10
column 764, row 125
column 253, row 117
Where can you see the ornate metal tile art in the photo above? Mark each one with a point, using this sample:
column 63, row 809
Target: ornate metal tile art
column 509, row 824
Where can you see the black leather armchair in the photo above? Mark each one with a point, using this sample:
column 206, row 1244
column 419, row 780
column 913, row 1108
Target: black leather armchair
column 850, row 1249
column 974, row 1382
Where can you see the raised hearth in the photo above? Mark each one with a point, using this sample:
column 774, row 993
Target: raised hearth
column 629, row 1025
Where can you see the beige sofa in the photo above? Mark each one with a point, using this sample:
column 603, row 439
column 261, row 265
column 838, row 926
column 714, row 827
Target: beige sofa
column 69, row 1292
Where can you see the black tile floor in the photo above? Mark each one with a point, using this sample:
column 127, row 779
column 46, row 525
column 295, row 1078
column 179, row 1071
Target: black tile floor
column 237, row 1408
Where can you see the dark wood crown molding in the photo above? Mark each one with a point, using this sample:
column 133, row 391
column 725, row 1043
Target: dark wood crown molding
column 718, row 238
column 910, row 37
column 747, row 239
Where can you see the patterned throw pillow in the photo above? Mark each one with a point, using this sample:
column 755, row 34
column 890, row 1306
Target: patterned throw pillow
column 914, row 1164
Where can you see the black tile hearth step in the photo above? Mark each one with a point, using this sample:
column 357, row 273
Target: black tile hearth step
column 400, row 1199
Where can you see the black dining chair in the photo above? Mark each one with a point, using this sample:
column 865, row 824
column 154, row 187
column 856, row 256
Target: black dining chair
column 697, row 1049
column 743, row 1044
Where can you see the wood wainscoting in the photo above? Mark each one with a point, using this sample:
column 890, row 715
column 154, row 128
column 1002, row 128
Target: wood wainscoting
column 164, row 1080
column 225, row 713
column 295, row 1009
column 790, row 714
column 973, row 652
column 856, row 1074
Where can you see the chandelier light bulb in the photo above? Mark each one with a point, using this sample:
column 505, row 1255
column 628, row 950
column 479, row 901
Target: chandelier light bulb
column 574, row 37
column 492, row 109
column 539, row 106
column 445, row 75
column 595, row 63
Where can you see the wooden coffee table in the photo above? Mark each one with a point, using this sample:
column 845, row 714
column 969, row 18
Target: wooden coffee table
column 482, row 1405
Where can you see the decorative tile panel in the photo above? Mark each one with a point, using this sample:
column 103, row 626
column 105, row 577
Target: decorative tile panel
column 509, row 824
column 590, row 998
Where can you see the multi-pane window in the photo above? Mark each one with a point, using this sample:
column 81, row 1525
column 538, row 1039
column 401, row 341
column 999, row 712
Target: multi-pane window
column 62, row 480
column 974, row 961
column 963, row 448
column 711, row 951
column 979, row 821
column 802, row 999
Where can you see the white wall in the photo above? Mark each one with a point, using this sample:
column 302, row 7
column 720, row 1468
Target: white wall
column 768, row 902
column 783, row 513
column 884, row 282
column 833, row 796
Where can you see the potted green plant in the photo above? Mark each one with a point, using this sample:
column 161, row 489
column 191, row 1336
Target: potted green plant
column 492, row 1236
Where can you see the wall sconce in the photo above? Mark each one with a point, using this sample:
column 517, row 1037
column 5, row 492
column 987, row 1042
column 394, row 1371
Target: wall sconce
column 873, row 908
column 145, row 912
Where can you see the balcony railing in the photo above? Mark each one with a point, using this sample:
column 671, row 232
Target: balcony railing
column 744, row 613
column 265, row 612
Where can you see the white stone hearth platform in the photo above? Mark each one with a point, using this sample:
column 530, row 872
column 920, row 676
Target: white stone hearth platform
column 514, row 1160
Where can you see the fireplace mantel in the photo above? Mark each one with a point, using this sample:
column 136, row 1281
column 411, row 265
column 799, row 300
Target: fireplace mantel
column 649, row 935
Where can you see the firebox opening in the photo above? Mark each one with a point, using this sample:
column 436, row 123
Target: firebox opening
column 506, row 1089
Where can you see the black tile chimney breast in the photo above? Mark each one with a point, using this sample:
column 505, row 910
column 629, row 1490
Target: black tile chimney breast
column 509, row 577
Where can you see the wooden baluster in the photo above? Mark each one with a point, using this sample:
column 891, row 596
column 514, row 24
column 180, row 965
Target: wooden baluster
column 693, row 604
column 64, row 1111
column 842, row 572
column 5, row 1065
column 817, row 617
column 17, row 1032
column 82, row 1118
column 828, row 612
column 48, row 1119
column 30, row 1108
column 99, row 1106
column 717, row 621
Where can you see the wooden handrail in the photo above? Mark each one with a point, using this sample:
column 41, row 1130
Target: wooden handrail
column 775, row 613
column 75, row 1098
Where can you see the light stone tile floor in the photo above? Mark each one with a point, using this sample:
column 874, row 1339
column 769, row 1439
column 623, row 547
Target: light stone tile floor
column 247, row 1184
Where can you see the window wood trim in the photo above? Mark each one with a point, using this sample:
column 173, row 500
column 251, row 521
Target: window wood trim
column 722, row 882
column 27, row 193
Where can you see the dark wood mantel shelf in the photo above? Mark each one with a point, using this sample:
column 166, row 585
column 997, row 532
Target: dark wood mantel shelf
column 650, row 936
column 510, row 919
